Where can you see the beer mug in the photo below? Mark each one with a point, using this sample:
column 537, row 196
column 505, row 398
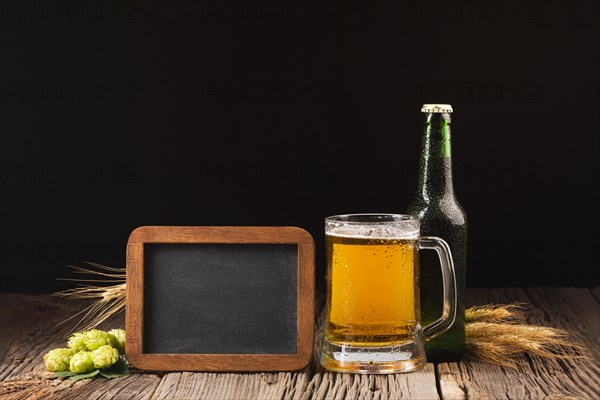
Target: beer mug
column 373, row 313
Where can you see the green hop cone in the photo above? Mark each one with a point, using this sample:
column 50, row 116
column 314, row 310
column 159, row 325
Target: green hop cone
column 58, row 359
column 82, row 363
column 105, row 356
column 76, row 344
column 120, row 335
column 96, row 338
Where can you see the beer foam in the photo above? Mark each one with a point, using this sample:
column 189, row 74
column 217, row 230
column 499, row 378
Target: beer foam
column 404, row 230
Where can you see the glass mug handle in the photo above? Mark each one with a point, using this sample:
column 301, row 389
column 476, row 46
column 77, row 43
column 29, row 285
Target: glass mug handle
column 443, row 323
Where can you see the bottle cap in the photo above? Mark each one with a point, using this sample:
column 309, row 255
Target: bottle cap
column 437, row 108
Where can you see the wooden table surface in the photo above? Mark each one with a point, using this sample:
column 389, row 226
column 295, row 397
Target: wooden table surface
column 29, row 328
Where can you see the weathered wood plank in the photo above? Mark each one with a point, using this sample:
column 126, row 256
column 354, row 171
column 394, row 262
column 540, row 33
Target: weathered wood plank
column 187, row 385
column 415, row 385
column 534, row 378
column 32, row 386
column 29, row 329
column 35, row 386
column 576, row 310
column 596, row 292
column 571, row 309
column 132, row 386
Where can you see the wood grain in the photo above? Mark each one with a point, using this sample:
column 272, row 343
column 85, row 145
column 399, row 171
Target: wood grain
column 534, row 378
column 29, row 328
column 188, row 385
column 220, row 234
column 420, row 384
column 134, row 311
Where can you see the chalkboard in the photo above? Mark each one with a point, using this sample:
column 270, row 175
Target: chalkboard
column 220, row 298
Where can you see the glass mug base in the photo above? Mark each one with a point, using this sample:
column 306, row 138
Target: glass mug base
column 404, row 357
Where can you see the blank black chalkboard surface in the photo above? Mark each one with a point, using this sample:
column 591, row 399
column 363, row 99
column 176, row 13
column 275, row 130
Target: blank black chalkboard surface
column 220, row 298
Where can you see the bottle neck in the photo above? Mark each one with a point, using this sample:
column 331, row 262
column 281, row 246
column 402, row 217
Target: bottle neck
column 435, row 172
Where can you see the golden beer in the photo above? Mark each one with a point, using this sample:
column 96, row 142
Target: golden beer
column 373, row 311
column 372, row 284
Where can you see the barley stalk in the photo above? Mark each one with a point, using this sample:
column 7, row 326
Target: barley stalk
column 499, row 334
column 106, row 300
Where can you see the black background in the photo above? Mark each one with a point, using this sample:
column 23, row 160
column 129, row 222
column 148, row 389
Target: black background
column 117, row 115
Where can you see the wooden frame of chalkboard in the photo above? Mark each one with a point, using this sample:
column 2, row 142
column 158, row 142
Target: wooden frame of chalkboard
column 142, row 355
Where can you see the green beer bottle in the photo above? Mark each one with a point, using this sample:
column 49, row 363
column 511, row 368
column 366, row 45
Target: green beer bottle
column 441, row 215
